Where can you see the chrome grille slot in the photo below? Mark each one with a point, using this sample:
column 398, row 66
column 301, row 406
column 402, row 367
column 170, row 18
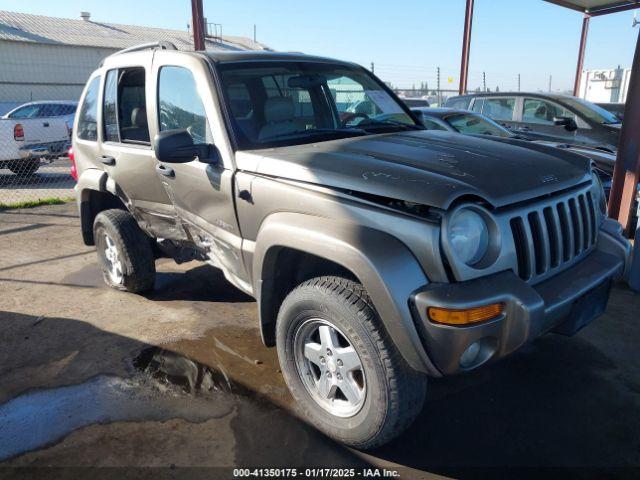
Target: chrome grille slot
column 554, row 234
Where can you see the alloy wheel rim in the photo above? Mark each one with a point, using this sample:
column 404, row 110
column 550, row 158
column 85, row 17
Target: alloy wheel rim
column 112, row 260
column 330, row 368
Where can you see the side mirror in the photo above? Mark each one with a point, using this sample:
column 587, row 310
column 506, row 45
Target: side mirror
column 566, row 122
column 176, row 146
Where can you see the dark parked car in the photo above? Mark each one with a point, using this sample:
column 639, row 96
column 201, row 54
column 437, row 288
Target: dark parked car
column 470, row 123
column 616, row 108
column 558, row 118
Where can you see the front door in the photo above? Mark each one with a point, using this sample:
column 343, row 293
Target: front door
column 202, row 194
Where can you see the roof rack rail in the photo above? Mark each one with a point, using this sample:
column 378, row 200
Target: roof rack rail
column 147, row 46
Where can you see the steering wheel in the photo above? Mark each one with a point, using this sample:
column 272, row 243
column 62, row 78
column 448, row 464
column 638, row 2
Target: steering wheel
column 351, row 116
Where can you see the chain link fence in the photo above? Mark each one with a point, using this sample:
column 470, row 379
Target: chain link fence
column 40, row 85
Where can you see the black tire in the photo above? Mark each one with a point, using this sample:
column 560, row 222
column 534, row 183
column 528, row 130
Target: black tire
column 25, row 168
column 133, row 246
column 394, row 392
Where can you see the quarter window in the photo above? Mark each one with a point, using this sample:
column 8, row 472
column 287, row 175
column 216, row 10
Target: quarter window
column 88, row 118
column 180, row 106
column 542, row 112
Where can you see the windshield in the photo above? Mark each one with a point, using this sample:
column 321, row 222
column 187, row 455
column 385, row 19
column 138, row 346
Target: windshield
column 591, row 110
column 469, row 123
column 292, row 103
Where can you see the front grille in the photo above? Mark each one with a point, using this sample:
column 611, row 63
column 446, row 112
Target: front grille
column 553, row 234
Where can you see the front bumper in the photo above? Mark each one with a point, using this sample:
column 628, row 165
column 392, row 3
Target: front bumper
column 564, row 303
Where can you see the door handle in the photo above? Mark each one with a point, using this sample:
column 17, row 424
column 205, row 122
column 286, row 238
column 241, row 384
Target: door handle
column 166, row 171
column 107, row 160
column 524, row 128
column 45, row 124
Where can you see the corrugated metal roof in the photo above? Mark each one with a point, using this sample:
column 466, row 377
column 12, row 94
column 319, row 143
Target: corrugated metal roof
column 22, row 27
column 596, row 6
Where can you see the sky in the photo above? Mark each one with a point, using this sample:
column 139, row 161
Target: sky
column 405, row 39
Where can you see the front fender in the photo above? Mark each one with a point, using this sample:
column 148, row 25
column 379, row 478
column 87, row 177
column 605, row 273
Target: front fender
column 384, row 265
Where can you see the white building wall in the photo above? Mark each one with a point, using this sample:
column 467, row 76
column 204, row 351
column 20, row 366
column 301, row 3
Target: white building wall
column 45, row 72
column 605, row 85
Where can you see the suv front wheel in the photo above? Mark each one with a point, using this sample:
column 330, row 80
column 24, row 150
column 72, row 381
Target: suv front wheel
column 124, row 251
column 346, row 375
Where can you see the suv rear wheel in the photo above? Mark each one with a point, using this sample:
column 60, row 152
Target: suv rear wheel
column 347, row 376
column 124, row 251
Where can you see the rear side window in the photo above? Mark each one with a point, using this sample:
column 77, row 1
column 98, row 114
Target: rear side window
column 28, row 111
column 124, row 109
column 88, row 118
column 462, row 103
column 180, row 106
column 499, row 108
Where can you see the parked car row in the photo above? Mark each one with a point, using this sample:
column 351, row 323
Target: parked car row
column 34, row 132
column 557, row 118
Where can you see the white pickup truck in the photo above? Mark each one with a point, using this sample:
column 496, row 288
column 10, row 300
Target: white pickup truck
column 34, row 132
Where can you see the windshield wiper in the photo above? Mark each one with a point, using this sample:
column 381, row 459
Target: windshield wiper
column 319, row 131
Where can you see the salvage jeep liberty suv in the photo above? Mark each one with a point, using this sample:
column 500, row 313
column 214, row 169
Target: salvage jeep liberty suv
column 379, row 253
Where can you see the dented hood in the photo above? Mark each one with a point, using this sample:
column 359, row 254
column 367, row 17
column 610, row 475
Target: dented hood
column 427, row 167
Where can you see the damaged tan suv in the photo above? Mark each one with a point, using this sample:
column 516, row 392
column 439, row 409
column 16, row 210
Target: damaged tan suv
column 379, row 253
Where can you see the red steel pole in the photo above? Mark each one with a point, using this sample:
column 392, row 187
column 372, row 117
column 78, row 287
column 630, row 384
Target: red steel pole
column 627, row 169
column 197, row 23
column 466, row 47
column 583, row 47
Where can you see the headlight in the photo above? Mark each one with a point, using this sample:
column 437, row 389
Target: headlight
column 468, row 236
column 598, row 190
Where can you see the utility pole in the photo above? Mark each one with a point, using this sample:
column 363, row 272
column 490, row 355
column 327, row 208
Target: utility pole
column 197, row 22
column 550, row 80
column 484, row 81
column 439, row 92
column 518, row 82
column 373, row 68
column 254, row 33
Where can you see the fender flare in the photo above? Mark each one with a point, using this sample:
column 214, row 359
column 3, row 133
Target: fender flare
column 384, row 265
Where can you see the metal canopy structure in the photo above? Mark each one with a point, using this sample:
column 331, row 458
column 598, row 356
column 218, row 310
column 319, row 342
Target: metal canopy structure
column 627, row 170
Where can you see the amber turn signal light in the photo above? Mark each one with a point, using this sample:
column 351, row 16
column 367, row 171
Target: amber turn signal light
column 467, row 316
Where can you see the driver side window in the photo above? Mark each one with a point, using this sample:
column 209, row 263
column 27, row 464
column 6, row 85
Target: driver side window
column 180, row 106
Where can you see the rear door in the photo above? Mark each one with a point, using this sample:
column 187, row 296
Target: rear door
column 501, row 109
column 126, row 153
column 202, row 194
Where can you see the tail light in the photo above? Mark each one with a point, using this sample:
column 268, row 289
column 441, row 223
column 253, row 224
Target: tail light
column 73, row 170
column 18, row 132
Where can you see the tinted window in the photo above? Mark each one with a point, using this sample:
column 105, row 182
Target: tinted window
column 28, row 111
column 110, row 107
column 475, row 124
column 499, row 108
column 458, row 102
column 535, row 110
column 88, row 120
column 430, row 124
column 180, row 105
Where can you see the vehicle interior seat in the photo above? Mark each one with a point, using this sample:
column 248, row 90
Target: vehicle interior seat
column 139, row 129
column 279, row 118
column 542, row 113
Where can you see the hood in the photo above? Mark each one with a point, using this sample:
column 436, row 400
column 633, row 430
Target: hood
column 427, row 167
